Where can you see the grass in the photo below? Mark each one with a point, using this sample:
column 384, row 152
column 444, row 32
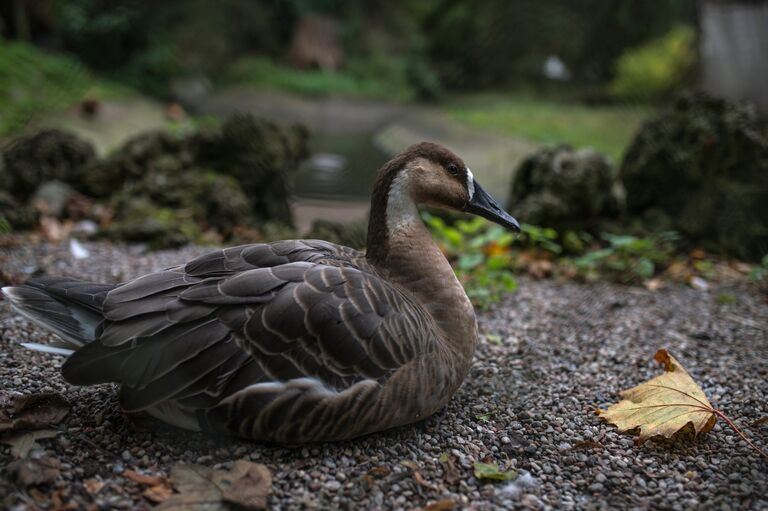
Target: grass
column 609, row 129
column 356, row 80
column 34, row 83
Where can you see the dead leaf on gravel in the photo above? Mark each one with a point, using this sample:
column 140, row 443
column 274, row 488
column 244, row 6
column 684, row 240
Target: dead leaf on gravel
column 144, row 479
column 492, row 472
column 423, row 482
column 200, row 488
column 440, row 505
column 381, row 471
column 34, row 470
column 159, row 493
column 587, row 444
column 250, row 485
column 452, row 476
column 93, row 486
column 663, row 405
column 22, row 442
column 760, row 421
column 31, row 411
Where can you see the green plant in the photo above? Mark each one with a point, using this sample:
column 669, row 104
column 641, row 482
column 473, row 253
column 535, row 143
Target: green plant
column 359, row 79
column 628, row 258
column 654, row 70
column 480, row 254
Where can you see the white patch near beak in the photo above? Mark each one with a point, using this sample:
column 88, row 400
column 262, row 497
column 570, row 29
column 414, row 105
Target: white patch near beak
column 470, row 183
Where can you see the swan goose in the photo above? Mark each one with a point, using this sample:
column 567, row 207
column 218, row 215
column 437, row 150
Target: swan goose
column 293, row 341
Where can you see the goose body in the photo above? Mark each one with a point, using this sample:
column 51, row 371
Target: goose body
column 294, row 341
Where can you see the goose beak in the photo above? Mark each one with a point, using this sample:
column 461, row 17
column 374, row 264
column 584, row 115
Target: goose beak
column 482, row 204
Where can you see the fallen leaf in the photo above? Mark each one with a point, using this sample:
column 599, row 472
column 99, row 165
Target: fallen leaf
column 159, row 493
column 423, row 482
column 410, row 464
column 251, row 483
column 31, row 411
column 34, row 470
column 493, row 472
column 494, row 339
column 93, row 486
column 201, row 488
column 144, row 479
column 22, row 442
column 452, row 475
column 440, row 505
column 381, row 471
column 663, row 405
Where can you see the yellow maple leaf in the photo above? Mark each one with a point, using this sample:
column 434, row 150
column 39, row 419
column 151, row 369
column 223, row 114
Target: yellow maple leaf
column 663, row 405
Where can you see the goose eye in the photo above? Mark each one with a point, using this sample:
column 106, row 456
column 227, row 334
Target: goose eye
column 452, row 169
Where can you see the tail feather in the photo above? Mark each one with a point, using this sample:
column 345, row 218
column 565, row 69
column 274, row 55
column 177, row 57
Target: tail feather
column 68, row 308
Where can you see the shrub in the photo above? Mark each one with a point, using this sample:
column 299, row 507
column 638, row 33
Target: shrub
column 654, row 70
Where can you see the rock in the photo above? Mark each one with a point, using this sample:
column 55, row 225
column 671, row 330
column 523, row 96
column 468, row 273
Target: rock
column 145, row 154
column 51, row 198
column 19, row 216
column 701, row 168
column 566, row 189
column 47, row 155
column 141, row 220
column 258, row 153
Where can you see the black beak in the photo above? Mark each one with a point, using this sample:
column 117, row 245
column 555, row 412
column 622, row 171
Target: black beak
column 484, row 205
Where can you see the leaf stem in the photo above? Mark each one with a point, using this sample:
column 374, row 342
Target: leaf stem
column 734, row 427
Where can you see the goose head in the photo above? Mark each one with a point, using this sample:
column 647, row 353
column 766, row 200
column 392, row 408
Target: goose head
column 431, row 175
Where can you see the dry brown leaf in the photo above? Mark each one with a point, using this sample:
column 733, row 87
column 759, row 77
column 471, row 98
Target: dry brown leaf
column 423, row 482
column 159, row 493
column 200, row 488
column 381, row 471
column 663, row 405
column 34, row 470
column 587, row 444
column 451, row 472
column 31, row 411
column 144, row 479
column 251, row 483
column 22, row 442
column 440, row 505
column 760, row 421
column 93, row 486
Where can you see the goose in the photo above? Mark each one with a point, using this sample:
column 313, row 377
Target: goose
column 291, row 342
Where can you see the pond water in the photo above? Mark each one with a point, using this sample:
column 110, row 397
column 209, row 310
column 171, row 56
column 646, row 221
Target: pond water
column 341, row 167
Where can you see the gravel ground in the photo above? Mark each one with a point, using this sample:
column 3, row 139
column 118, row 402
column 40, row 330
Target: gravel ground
column 562, row 350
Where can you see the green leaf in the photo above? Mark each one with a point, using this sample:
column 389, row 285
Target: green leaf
column 645, row 268
column 492, row 472
column 494, row 339
column 470, row 261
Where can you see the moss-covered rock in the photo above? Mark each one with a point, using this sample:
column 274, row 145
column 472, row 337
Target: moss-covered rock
column 258, row 153
column 138, row 219
column 164, row 186
column 47, row 155
column 566, row 189
column 17, row 214
column 702, row 168
column 145, row 154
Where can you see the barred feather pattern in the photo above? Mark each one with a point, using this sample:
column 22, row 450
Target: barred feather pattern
column 293, row 342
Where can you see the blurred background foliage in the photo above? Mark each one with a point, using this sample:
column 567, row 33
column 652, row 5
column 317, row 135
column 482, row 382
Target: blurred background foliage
column 574, row 112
